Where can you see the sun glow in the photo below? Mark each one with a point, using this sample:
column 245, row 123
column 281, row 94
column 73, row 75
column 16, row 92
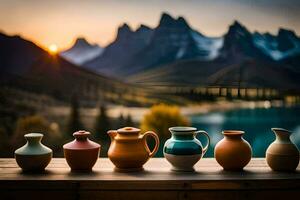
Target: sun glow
column 53, row 49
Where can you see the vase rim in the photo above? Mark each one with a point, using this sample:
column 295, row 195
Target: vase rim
column 233, row 132
column 281, row 129
column 128, row 130
column 182, row 129
column 33, row 135
column 81, row 132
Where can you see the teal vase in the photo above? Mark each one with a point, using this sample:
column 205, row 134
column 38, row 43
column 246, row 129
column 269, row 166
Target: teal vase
column 33, row 156
column 183, row 150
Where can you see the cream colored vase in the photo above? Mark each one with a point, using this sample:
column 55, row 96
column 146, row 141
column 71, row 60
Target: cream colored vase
column 282, row 154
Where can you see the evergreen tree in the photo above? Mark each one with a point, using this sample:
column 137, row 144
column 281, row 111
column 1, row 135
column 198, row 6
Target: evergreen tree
column 121, row 121
column 102, row 124
column 229, row 94
column 129, row 121
column 74, row 123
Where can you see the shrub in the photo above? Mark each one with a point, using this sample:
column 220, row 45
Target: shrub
column 29, row 124
column 161, row 117
column 38, row 124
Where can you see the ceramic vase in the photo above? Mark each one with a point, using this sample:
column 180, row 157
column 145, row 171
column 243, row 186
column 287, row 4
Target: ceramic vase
column 282, row 154
column 33, row 156
column 128, row 150
column 183, row 150
column 81, row 154
column 233, row 152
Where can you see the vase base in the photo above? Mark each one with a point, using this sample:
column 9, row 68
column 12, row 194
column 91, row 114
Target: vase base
column 81, row 170
column 233, row 169
column 182, row 163
column 129, row 169
column 175, row 169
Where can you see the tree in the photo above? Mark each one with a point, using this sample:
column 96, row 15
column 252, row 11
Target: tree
column 129, row 121
column 29, row 124
column 161, row 117
column 74, row 123
column 5, row 149
column 229, row 94
column 121, row 121
column 102, row 124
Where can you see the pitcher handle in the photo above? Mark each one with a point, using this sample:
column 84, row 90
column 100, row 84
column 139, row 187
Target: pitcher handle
column 154, row 135
column 208, row 140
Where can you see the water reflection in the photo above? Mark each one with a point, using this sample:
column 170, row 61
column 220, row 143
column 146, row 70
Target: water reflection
column 257, row 124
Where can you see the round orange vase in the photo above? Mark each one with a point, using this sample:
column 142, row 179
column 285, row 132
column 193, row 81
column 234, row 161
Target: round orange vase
column 129, row 150
column 81, row 153
column 233, row 152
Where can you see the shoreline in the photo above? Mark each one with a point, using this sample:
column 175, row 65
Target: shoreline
column 137, row 113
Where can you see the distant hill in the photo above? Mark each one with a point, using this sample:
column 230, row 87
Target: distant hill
column 250, row 73
column 17, row 54
column 28, row 67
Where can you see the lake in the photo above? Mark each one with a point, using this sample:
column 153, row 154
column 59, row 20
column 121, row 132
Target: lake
column 256, row 123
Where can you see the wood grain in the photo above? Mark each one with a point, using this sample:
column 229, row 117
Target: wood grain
column 209, row 181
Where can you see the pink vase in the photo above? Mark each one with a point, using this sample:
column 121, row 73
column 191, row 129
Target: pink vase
column 81, row 153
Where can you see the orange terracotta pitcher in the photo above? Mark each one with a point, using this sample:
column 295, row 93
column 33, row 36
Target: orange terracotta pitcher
column 129, row 150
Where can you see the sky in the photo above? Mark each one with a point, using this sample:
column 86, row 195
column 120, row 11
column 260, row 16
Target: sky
column 60, row 22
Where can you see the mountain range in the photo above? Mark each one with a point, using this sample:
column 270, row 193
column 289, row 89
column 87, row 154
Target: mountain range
column 171, row 54
column 172, row 51
column 147, row 54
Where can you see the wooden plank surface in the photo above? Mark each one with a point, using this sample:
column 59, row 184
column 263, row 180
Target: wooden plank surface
column 155, row 169
column 156, row 181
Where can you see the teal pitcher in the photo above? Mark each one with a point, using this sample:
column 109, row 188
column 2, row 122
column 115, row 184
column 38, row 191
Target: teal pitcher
column 183, row 150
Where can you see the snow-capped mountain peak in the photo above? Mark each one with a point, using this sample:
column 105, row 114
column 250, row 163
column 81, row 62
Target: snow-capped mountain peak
column 82, row 51
column 210, row 45
column 237, row 31
column 124, row 29
column 81, row 43
column 143, row 28
column 279, row 47
column 166, row 19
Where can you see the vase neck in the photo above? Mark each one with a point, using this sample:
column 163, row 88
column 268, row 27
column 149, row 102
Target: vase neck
column 233, row 137
column 185, row 136
column 34, row 138
column 233, row 134
column 282, row 135
column 81, row 135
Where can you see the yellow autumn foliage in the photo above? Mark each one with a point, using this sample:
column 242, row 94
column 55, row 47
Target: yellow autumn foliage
column 35, row 124
column 161, row 117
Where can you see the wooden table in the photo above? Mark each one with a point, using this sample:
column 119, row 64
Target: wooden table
column 209, row 181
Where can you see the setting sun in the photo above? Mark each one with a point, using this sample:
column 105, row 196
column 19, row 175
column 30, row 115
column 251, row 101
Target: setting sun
column 52, row 49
